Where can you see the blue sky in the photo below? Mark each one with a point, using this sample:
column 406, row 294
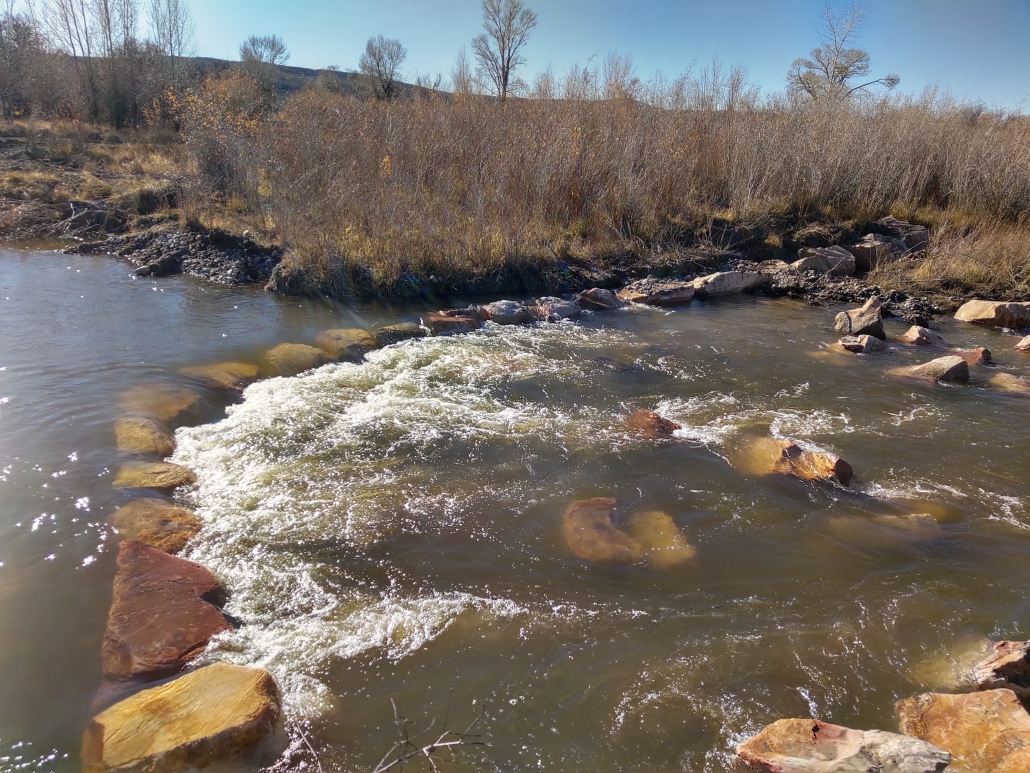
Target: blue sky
column 976, row 49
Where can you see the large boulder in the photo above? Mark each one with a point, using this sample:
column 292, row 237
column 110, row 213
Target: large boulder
column 598, row 299
column 922, row 336
column 986, row 732
column 230, row 376
column 914, row 237
column 210, row 715
column 731, row 282
column 1014, row 385
column 162, row 402
column 590, row 534
column 507, row 313
column 650, row 424
column 995, row 313
column 292, row 359
column 1007, row 667
column 874, row 250
column 345, row 343
column 836, row 261
column 157, row 523
column 811, row 746
column 392, row 334
column 553, row 309
column 658, row 292
column 136, row 435
column 809, row 263
column 163, row 476
column 981, row 356
column 867, row 320
column 450, row 322
column 768, row 456
column 165, row 611
column 862, row 344
column 661, row 541
column 951, row 368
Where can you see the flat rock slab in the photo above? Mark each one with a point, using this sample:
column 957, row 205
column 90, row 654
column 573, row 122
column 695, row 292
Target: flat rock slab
column 292, row 359
column 163, row 402
column 162, row 616
column 995, row 313
column 922, row 336
column 1008, row 667
column 163, row 476
column 650, row 424
column 598, row 299
column 590, row 534
column 951, row 368
column 867, row 320
column 393, row 334
column 731, row 282
column 230, row 376
column 157, row 523
column 349, row 344
column 662, row 542
column 986, row 732
column 554, row 309
column 1013, row 385
column 863, row 344
column 981, row 356
column 209, row 715
column 811, row 746
column 450, row 323
column 658, row 292
column 507, row 313
column 135, row 435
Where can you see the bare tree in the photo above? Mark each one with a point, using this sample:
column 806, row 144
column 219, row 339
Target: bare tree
column 22, row 50
column 261, row 55
column 71, row 27
column 462, row 78
column 507, row 24
column 834, row 68
column 381, row 61
column 173, row 32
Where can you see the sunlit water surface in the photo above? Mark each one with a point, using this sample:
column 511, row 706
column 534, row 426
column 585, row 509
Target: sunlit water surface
column 393, row 530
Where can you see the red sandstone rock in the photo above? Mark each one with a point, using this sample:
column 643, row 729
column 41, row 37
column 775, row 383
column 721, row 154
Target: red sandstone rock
column 1008, row 666
column 650, row 424
column 589, row 532
column 922, row 336
column 951, row 368
column 442, row 323
column 981, row 356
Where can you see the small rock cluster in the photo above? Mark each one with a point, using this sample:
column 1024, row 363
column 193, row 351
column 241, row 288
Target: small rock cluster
column 215, row 255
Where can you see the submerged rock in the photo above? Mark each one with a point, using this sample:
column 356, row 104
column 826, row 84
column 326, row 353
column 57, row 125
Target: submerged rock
column 867, row 320
column 507, row 313
column 589, row 533
column 162, row 615
column 650, row 424
column 293, row 359
column 863, row 344
column 449, row 322
column 209, row 715
column 163, row 476
column 1008, row 667
column 1023, row 345
column 553, row 309
column 767, row 456
column 922, row 336
column 658, row 292
column 951, row 368
column 1014, row 385
column 143, row 436
column 981, row 356
column 157, row 523
column 811, row 746
column 163, row 402
column 985, row 732
column 392, row 334
column 345, row 343
column 731, row 282
column 598, row 299
column 663, row 544
column 231, row 376
column 995, row 313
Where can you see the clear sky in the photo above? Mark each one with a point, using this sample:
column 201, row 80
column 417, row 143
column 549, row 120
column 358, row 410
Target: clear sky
column 976, row 49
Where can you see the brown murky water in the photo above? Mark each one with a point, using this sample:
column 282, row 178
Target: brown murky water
column 392, row 528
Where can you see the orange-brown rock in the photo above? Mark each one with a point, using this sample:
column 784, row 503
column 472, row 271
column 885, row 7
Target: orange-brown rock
column 1023, row 345
column 922, row 336
column 650, row 424
column 950, row 368
column 135, row 435
column 661, row 541
column 985, row 732
column 867, row 320
column 165, row 611
column 590, row 534
column 230, row 376
column 1008, row 666
column 995, row 313
column 658, row 292
column 345, row 343
column 163, row 476
column 811, row 746
column 163, row 402
column 765, row 456
column 444, row 323
column 210, row 715
column 292, row 359
column 973, row 357
column 157, row 523
column 1014, row 385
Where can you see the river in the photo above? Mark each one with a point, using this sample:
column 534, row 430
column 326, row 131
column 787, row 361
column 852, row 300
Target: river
column 392, row 530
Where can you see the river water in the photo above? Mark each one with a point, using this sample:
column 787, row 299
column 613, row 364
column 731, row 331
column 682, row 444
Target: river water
column 393, row 530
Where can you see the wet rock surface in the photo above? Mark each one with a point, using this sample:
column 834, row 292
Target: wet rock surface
column 553, row 309
column 598, row 299
column 952, row 368
column 768, row 456
column 507, row 313
column 163, row 476
column 134, row 435
column 863, row 344
column 230, row 376
column 995, row 313
column 811, row 746
column 163, row 614
column 658, row 292
column 1023, row 345
column 590, row 534
column 985, row 732
column 213, row 714
column 731, row 282
column 292, row 359
column 215, row 255
column 350, row 344
column 392, row 334
column 450, row 322
column 975, row 357
column 1007, row 667
column 662, row 543
column 157, row 523
column 160, row 401
column 650, row 424
column 867, row 320
column 1014, row 385
column 922, row 336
